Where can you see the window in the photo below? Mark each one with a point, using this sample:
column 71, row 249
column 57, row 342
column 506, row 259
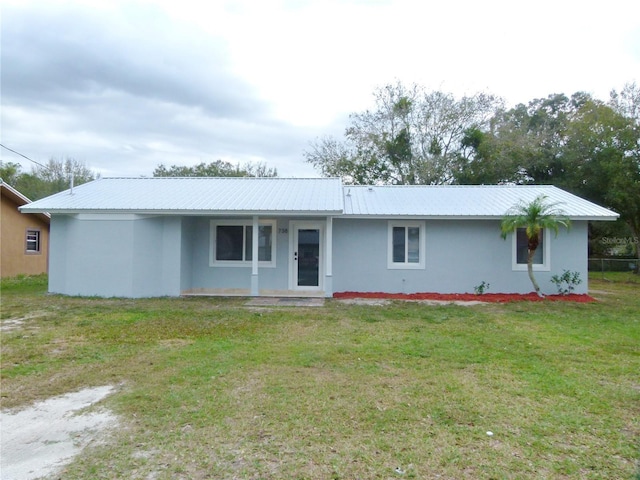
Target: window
column 33, row 241
column 232, row 243
column 521, row 251
column 406, row 245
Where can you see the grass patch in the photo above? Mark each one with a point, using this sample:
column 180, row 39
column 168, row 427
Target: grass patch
column 211, row 389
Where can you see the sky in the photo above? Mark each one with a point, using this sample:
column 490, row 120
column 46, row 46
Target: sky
column 125, row 86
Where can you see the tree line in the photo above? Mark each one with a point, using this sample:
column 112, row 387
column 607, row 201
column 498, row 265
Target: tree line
column 57, row 174
column 44, row 180
column 579, row 143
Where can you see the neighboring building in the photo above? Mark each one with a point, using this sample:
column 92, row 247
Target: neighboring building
column 24, row 239
column 143, row 237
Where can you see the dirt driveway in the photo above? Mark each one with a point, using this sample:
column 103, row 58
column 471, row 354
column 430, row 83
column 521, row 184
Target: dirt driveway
column 41, row 439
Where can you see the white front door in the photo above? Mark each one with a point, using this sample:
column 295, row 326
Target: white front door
column 306, row 254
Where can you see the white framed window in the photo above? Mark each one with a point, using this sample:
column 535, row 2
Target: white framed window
column 33, row 241
column 520, row 251
column 232, row 243
column 406, row 244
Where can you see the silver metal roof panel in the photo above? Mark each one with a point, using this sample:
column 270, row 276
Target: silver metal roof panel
column 244, row 195
column 463, row 201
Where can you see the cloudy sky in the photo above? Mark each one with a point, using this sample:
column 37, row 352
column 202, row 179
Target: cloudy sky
column 125, row 86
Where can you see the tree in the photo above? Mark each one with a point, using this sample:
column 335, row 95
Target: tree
column 216, row 169
column 525, row 144
column 534, row 217
column 9, row 172
column 627, row 101
column 411, row 137
column 46, row 180
column 603, row 149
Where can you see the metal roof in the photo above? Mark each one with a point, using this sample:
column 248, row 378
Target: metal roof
column 170, row 195
column 304, row 196
column 461, row 201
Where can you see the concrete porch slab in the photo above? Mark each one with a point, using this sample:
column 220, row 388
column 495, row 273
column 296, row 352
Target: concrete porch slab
column 285, row 302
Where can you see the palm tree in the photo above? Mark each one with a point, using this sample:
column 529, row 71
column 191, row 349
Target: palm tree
column 534, row 217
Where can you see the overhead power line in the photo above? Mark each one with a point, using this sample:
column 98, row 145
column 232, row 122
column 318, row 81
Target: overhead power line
column 24, row 156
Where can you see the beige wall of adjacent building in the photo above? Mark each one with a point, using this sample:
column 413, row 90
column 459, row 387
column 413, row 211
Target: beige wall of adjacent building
column 14, row 258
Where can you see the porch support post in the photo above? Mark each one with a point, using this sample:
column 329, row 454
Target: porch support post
column 328, row 268
column 254, row 258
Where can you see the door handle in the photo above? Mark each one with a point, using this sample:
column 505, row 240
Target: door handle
column 295, row 256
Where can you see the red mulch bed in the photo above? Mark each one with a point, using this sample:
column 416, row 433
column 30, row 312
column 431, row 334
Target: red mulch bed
column 466, row 297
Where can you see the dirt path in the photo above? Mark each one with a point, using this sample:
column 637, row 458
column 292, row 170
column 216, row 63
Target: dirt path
column 41, row 439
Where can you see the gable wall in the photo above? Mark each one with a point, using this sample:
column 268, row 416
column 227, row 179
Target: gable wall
column 13, row 227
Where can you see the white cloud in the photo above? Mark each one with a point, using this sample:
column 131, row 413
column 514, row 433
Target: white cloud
column 127, row 85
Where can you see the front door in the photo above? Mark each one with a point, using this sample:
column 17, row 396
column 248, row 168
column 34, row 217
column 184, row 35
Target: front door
column 307, row 256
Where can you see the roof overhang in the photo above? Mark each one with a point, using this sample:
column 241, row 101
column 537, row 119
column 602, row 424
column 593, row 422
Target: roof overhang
column 195, row 213
column 610, row 218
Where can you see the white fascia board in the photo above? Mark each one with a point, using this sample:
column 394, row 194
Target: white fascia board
column 463, row 217
column 225, row 213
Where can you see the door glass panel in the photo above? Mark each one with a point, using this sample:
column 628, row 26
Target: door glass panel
column 308, row 257
column 413, row 247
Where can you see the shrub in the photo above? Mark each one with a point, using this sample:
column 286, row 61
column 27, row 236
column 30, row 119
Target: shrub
column 567, row 282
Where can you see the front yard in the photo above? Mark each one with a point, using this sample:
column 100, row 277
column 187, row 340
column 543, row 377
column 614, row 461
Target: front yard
column 209, row 388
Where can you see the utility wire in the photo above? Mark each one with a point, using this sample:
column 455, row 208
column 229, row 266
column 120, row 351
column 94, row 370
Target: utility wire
column 24, row 156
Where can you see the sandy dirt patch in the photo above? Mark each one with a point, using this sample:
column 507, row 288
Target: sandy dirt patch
column 41, row 439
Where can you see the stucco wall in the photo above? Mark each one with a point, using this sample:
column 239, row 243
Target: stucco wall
column 13, row 227
column 136, row 256
column 205, row 276
column 111, row 255
column 459, row 256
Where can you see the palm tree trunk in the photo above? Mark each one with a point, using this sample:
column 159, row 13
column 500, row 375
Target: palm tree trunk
column 530, row 271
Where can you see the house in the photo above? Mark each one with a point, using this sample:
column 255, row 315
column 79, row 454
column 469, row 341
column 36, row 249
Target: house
column 24, row 239
column 145, row 237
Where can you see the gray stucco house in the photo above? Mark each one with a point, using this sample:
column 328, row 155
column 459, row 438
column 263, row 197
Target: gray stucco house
column 146, row 237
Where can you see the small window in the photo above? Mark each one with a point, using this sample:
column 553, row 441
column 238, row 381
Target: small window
column 33, row 241
column 521, row 251
column 232, row 243
column 406, row 245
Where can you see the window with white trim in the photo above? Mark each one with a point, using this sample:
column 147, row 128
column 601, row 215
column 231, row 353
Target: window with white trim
column 33, row 241
column 520, row 252
column 406, row 242
column 232, row 243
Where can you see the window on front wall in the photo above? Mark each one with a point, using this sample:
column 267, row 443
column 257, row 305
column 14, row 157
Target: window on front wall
column 232, row 243
column 406, row 245
column 521, row 251
column 33, row 241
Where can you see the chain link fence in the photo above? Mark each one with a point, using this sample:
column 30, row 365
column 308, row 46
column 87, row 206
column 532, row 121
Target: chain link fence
column 613, row 264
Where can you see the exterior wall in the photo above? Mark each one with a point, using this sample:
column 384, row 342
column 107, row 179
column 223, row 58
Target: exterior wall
column 13, row 227
column 143, row 256
column 115, row 255
column 460, row 255
column 203, row 277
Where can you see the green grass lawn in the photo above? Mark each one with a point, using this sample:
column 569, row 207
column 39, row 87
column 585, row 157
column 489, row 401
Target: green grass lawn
column 208, row 388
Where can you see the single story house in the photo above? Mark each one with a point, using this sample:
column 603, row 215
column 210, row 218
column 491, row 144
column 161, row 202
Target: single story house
column 24, row 239
column 146, row 237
